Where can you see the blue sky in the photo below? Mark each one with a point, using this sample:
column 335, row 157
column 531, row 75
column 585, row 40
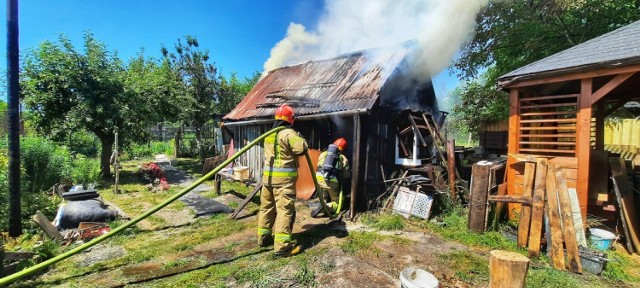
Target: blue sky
column 238, row 33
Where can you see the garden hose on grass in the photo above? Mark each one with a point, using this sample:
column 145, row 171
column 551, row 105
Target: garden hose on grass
column 325, row 208
column 47, row 263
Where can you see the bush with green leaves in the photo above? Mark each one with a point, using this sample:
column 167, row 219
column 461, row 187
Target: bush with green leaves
column 85, row 170
column 149, row 150
column 33, row 157
column 44, row 162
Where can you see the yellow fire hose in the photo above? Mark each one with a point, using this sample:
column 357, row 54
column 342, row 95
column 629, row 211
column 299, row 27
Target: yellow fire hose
column 54, row 260
column 325, row 208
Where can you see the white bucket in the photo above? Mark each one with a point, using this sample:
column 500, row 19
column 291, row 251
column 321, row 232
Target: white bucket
column 412, row 277
column 602, row 239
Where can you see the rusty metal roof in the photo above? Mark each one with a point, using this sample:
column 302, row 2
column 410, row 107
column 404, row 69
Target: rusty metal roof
column 344, row 83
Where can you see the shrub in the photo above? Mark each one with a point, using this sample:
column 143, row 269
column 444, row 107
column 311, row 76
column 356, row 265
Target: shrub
column 32, row 198
column 45, row 163
column 85, row 170
column 150, row 150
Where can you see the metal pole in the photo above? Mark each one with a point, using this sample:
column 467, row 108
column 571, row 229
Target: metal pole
column 13, row 91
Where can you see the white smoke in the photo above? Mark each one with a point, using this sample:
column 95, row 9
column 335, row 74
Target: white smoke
column 439, row 26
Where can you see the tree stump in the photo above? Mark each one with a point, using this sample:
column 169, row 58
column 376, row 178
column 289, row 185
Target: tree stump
column 507, row 269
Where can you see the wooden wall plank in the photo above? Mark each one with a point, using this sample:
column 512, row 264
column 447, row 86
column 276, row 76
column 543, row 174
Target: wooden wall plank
column 538, row 208
column 514, row 131
column 556, row 251
column 479, row 193
column 525, row 211
column 569, row 232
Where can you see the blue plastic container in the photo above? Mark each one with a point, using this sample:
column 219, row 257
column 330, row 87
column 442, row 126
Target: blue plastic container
column 601, row 239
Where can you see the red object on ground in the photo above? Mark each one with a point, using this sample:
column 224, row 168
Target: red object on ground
column 152, row 171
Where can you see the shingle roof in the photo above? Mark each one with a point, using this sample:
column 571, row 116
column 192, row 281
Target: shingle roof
column 618, row 47
column 344, row 83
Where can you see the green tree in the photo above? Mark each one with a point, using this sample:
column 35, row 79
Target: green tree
column 200, row 86
column 233, row 89
column 511, row 34
column 68, row 90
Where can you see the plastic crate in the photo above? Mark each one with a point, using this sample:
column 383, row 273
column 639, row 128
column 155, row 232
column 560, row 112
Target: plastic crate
column 411, row 203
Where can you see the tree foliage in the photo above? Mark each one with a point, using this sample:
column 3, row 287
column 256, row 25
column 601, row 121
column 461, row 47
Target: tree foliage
column 233, row 89
column 68, row 90
column 511, row 34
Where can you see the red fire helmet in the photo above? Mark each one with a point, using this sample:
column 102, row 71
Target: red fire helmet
column 285, row 113
column 341, row 143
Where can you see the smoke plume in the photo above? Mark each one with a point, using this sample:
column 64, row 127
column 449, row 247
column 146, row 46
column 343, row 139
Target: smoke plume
column 440, row 27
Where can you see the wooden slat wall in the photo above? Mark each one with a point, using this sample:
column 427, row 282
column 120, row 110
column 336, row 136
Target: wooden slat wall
column 547, row 124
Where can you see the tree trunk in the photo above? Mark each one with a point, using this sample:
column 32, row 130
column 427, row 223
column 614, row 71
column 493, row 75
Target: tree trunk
column 105, row 156
column 507, row 269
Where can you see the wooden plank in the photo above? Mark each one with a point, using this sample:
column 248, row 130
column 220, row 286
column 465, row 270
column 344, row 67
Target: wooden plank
column 46, row 226
column 247, row 200
column 525, row 211
column 567, row 151
column 500, row 206
column 577, row 217
column 572, row 76
column 555, row 120
column 557, row 253
column 547, row 128
column 626, row 203
column 612, row 84
column 568, row 104
column 537, row 210
column 557, row 143
column 569, row 232
column 550, row 113
column 550, row 97
column 479, row 194
column 583, row 143
column 560, row 135
column 417, row 131
column 520, row 199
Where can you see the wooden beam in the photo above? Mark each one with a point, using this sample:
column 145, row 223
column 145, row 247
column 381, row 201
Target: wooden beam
column 479, row 191
column 553, row 211
column 510, row 199
column 612, row 84
column 569, row 232
column 451, row 165
column 525, row 211
column 46, row 226
column 537, row 210
column 514, row 133
column 355, row 178
column 574, row 76
column 583, row 143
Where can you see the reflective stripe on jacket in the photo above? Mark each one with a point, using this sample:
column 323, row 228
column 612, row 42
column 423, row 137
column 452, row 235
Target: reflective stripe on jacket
column 341, row 168
column 281, row 151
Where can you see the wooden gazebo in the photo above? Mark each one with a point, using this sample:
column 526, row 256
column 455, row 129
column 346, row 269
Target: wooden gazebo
column 558, row 105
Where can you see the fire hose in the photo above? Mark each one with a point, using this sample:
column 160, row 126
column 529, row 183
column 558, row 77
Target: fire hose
column 54, row 260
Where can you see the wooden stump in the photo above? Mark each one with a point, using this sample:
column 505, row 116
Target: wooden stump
column 507, row 269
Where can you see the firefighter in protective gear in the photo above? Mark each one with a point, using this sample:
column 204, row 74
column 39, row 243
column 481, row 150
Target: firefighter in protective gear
column 277, row 197
column 333, row 168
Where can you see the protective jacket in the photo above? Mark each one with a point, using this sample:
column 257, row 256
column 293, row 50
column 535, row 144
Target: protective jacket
column 281, row 151
column 340, row 170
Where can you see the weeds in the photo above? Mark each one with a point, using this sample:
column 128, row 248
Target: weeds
column 357, row 241
column 384, row 221
column 305, row 276
column 469, row 267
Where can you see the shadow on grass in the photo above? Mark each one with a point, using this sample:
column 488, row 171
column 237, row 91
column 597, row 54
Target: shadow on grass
column 315, row 233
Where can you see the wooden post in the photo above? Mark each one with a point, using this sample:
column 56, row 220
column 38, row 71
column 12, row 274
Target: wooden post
column 217, row 184
column 116, row 164
column 355, row 165
column 583, row 143
column 507, row 269
column 479, row 193
column 46, row 226
column 514, row 131
column 451, row 164
column 600, row 126
column 177, row 141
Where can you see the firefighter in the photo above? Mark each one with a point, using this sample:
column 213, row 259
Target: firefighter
column 277, row 197
column 333, row 169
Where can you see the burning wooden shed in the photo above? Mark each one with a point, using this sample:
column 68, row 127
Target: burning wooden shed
column 364, row 97
column 558, row 106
